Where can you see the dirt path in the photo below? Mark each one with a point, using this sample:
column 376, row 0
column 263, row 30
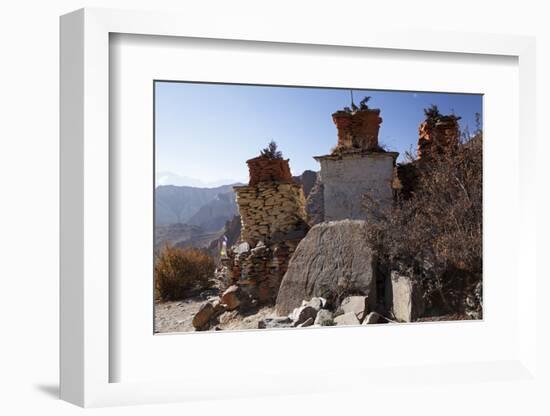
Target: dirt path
column 177, row 316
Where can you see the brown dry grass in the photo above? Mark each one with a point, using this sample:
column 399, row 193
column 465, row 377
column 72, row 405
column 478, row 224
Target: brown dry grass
column 179, row 271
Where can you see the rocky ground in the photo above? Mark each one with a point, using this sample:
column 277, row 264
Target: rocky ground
column 177, row 316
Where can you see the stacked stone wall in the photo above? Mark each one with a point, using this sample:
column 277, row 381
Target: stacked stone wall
column 260, row 270
column 270, row 211
column 273, row 216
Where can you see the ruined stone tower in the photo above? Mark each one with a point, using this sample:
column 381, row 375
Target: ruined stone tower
column 271, row 205
column 273, row 221
column 356, row 167
column 438, row 135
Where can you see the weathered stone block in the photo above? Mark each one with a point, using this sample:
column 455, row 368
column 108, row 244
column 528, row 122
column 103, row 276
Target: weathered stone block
column 356, row 304
column 407, row 302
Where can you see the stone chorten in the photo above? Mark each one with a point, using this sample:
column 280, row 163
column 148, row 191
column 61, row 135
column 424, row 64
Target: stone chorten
column 357, row 166
column 273, row 221
column 436, row 136
column 272, row 204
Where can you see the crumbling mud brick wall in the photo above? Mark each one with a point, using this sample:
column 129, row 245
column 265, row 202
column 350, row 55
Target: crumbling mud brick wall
column 358, row 130
column 262, row 169
column 438, row 136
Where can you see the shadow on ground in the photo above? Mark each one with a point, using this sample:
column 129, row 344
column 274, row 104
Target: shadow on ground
column 51, row 390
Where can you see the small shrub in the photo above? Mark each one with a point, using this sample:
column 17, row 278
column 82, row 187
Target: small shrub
column 179, row 271
column 363, row 103
column 432, row 115
column 271, row 152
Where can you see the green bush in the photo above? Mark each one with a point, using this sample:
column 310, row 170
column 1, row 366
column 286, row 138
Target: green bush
column 271, row 151
column 180, row 271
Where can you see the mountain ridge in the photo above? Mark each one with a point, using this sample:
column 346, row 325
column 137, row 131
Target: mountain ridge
column 187, row 215
column 177, row 204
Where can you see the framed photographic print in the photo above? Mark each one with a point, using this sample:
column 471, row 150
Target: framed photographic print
column 257, row 205
column 319, row 239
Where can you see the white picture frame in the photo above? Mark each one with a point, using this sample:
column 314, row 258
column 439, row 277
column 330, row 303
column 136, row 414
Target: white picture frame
column 86, row 354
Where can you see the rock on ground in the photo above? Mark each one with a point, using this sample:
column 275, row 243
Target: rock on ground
column 372, row 318
column 332, row 260
column 407, row 303
column 317, row 303
column 306, row 323
column 347, row 319
column 276, row 322
column 177, row 316
column 305, row 313
column 356, row 304
column 203, row 316
column 232, row 297
column 324, row 318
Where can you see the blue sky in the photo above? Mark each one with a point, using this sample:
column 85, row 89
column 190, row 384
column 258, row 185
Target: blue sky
column 204, row 133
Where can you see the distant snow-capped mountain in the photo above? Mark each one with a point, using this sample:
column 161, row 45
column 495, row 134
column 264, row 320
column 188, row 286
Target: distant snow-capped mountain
column 169, row 178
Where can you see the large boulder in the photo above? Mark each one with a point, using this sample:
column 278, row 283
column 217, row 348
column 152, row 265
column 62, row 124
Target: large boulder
column 334, row 260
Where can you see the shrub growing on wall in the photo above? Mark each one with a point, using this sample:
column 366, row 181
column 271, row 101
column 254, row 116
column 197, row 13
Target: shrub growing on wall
column 271, row 151
column 179, row 271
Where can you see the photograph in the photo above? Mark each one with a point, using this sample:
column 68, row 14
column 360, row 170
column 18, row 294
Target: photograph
column 281, row 207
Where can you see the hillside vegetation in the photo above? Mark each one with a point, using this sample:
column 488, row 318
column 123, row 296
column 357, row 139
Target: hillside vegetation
column 434, row 230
